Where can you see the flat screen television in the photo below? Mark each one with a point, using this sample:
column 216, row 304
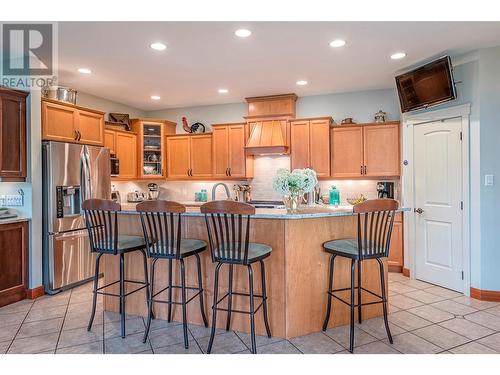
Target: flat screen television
column 427, row 85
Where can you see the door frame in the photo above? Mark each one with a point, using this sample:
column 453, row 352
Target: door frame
column 408, row 183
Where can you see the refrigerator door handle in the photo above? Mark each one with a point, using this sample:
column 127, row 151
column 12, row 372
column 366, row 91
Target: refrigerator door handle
column 88, row 173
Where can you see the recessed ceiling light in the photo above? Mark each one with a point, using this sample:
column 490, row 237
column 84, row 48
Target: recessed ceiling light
column 223, row 91
column 243, row 33
column 84, row 70
column 398, row 55
column 155, row 97
column 158, row 46
column 301, row 83
column 337, row 43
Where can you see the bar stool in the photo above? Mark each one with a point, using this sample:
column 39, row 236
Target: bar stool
column 375, row 221
column 228, row 227
column 101, row 217
column 161, row 224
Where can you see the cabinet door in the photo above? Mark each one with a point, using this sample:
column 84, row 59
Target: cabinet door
column 347, row 151
column 381, row 150
column 220, row 149
column 126, row 152
column 13, row 262
column 300, row 144
column 91, row 128
column 396, row 247
column 319, row 134
column 12, row 138
column 201, row 155
column 237, row 157
column 109, row 140
column 59, row 122
column 178, row 162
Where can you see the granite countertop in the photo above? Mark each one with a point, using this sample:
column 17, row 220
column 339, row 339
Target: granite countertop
column 304, row 212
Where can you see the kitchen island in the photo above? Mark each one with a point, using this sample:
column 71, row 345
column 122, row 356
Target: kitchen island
column 296, row 271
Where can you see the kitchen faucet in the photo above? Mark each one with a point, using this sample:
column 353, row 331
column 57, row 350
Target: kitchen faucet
column 214, row 188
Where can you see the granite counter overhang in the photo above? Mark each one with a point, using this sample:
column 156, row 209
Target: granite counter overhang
column 305, row 212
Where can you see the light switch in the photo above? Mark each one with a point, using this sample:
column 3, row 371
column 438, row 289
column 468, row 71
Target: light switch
column 488, row 180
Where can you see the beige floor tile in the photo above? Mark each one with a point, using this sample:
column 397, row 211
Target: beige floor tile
column 409, row 343
column 408, row 321
column 485, row 319
column 495, row 310
column 41, row 327
column 400, row 288
column 4, row 345
column 259, row 340
column 7, row 333
column 169, row 336
column 50, row 301
column 392, row 308
column 424, row 297
column 79, row 336
column 18, row 307
column 443, row 292
column 280, row 347
column 376, row 328
column 395, row 276
column 96, row 347
column 179, row 349
column 36, row 344
column 453, row 307
column 417, row 284
column 316, row 343
column 431, row 313
column 15, row 318
column 113, row 329
column 341, row 335
column 79, row 319
column 472, row 348
column 477, row 304
column 466, row 328
column 45, row 313
column 492, row 342
column 225, row 343
column 131, row 344
column 404, row 303
column 376, row 347
column 442, row 337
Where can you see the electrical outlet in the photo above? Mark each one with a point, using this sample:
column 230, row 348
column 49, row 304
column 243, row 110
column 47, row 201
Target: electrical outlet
column 14, row 200
column 489, row 180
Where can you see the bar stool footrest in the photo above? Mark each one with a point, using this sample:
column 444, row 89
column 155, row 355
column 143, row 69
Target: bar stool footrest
column 331, row 292
column 142, row 283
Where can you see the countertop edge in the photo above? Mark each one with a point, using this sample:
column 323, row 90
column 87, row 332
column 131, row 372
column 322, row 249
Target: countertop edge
column 14, row 220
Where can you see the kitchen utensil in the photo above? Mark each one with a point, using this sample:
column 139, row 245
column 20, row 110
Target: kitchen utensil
column 243, row 193
column 63, row 94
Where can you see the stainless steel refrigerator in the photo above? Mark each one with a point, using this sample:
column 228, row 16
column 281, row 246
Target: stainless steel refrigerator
column 72, row 173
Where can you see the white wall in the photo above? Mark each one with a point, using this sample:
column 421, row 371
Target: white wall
column 105, row 105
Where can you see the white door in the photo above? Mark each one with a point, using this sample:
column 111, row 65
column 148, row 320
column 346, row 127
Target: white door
column 438, row 197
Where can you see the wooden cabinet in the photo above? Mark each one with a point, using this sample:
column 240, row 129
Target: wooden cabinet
column 12, row 135
column 189, row 156
column 369, row 150
column 151, row 146
column 228, row 143
column 124, row 145
column 65, row 122
column 395, row 260
column 310, row 145
column 14, row 264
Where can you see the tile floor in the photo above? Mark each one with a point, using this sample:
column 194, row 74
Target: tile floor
column 424, row 319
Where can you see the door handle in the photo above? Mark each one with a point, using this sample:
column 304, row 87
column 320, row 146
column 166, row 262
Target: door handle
column 79, row 135
column 361, row 170
column 418, row 210
column 227, row 174
column 76, row 134
column 229, row 171
column 365, row 170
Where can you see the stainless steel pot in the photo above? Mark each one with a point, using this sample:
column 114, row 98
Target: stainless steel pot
column 63, row 94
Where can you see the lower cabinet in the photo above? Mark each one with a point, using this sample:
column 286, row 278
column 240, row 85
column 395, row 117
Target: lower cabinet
column 14, row 265
column 396, row 260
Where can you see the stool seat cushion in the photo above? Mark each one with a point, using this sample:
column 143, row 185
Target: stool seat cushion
column 188, row 247
column 129, row 243
column 256, row 251
column 347, row 247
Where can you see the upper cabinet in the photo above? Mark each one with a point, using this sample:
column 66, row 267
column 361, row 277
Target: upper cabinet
column 310, row 144
column 12, row 135
column 189, row 156
column 66, row 122
column 124, row 145
column 151, row 146
column 229, row 159
column 370, row 150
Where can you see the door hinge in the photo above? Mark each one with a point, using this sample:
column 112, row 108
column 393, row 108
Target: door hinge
column 462, row 205
column 460, row 135
column 462, row 275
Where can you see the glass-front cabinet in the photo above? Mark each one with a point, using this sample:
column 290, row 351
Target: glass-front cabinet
column 151, row 146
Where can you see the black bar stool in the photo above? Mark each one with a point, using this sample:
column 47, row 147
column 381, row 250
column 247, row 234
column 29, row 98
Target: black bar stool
column 375, row 221
column 228, row 226
column 101, row 217
column 161, row 223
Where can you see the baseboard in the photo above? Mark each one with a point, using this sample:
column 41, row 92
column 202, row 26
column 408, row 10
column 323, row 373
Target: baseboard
column 485, row 295
column 394, row 268
column 35, row 292
column 406, row 272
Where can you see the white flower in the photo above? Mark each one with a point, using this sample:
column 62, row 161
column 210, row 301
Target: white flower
column 298, row 181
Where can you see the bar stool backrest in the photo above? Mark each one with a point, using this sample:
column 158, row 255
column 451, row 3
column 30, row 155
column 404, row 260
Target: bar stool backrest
column 102, row 224
column 375, row 221
column 228, row 226
column 161, row 224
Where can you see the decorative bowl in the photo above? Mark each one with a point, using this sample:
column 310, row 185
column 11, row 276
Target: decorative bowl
column 355, row 200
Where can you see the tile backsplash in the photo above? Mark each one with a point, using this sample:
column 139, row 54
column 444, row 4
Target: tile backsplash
column 265, row 168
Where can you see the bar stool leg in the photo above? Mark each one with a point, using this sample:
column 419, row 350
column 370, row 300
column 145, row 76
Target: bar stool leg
column 94, row 297
column 252, row 310
column 351, row 334
column 146, row 281
column 214, row 307
column 184, row 313
column 229, row 297
column 384, row 299
column 169, row 318
column 264, row 297
column 122, row 294
column 200, row 288
column 150, row 300
column 330, row 287
column 359, row 291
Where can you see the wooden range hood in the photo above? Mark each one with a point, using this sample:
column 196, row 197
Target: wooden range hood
column 268, row 120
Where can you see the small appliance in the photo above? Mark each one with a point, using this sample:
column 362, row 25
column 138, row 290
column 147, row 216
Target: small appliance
column 385, row 189
column 153, row 191
column 243, row 193
column 115, row 195
column 135, row 197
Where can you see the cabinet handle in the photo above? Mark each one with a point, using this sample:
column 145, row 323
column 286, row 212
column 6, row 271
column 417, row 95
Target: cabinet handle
column 365, row 169
column 229, row 171
column 226, row 172
column 76, row 135
column 190, row 172
column 361, row 170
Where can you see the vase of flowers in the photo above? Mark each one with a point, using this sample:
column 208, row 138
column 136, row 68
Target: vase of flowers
column 292, row 185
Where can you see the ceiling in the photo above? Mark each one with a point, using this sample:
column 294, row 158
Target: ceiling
column 202, row 57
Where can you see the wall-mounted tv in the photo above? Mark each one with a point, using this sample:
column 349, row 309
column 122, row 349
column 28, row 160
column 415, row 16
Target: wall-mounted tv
column 427, row 85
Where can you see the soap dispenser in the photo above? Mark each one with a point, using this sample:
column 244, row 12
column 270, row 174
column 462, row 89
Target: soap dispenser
column 334, row 196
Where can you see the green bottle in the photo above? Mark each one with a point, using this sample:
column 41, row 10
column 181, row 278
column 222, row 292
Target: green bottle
column 334, row 197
